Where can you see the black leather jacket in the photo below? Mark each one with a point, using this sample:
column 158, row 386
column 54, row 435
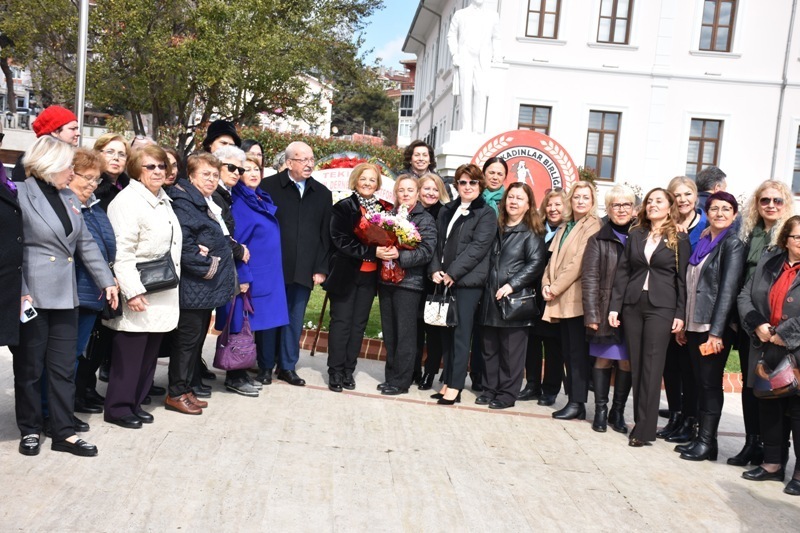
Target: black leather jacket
column 718, row 286
column 600, row 260
column 518, row 257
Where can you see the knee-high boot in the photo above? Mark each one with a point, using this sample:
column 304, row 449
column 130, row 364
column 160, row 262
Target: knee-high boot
column 602, row 382
column 705, row 445
column 622, row 388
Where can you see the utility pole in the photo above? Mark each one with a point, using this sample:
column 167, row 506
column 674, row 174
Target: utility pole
column 80, row 85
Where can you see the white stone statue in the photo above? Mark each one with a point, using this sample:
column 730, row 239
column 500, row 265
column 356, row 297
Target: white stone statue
column 474, row 42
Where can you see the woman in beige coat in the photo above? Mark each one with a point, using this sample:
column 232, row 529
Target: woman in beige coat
column 146, row 228
column 561, row 289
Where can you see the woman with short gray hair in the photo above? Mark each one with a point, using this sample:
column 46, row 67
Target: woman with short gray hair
column 54, row 232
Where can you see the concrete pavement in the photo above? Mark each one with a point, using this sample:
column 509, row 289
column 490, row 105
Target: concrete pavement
column 307, row 459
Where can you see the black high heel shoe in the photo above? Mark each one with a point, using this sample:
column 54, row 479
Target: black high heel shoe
column 443, row 401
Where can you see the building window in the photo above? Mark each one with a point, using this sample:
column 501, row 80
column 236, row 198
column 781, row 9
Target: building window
column 543, row 18
column 704, row 139
column 601, row 143
column 716, row 33
column 406, row 105
column 534, row 117
column 796, row 175
column 614, row 25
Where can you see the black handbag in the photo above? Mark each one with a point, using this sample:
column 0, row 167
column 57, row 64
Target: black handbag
column 440, row 308
column 159, row 274
column 519, row 306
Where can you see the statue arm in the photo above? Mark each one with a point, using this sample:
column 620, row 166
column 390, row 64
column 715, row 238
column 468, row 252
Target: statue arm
column 452, row 40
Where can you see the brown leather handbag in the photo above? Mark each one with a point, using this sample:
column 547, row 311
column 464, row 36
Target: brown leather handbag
column 779, row 382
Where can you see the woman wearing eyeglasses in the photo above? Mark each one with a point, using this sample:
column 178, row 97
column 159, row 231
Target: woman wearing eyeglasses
column 354, row 269
column 207, row 274
column 762, row 217
column 232, row 165
column 769, row 307
column 607, row 344
column 561, row 289
column 466, row 229
column 712, row 285
column 115, row 151
column 146, row 229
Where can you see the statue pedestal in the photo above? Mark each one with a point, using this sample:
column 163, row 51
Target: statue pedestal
column 457, row 151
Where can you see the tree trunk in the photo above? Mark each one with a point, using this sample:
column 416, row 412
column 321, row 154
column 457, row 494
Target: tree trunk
column 11, row 98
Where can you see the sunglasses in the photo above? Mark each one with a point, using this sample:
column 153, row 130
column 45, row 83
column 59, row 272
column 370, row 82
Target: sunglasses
column 160, row 166
column 764, row 202
column 464, row 183
column 233, row 168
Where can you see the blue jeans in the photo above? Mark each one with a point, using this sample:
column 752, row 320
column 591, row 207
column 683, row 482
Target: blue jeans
column 283, row 344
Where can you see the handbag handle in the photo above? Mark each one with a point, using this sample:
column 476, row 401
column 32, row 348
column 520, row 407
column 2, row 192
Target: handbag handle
column 223, row 337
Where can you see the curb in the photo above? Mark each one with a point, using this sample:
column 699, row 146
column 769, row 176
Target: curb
column 375, row 350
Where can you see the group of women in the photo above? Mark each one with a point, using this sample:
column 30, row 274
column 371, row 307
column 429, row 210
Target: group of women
column 151, row 254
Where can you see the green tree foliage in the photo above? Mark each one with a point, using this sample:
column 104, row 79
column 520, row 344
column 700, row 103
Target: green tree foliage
column 188, row 61
column 362, row 106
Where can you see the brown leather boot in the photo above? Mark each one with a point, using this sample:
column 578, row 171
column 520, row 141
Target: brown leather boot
column 202, row 404
column 182, row 404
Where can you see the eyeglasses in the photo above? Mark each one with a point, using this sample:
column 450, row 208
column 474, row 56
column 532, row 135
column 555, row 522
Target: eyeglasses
column 151, row 168
column 717, row 209
column 90, row 179
column 209, row 176
column 765, row 201
column 464, row 183
column 306, row 161
column 233, row 168
column 622, row 207
column 113, row 153
column 795, row 238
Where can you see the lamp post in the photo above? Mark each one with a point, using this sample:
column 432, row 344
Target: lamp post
column 80, row 85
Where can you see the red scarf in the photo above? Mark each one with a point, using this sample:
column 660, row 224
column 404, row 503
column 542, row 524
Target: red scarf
column 777, row 294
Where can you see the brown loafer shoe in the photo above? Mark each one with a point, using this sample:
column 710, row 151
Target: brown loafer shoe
column 182, row 404
column 202, row 404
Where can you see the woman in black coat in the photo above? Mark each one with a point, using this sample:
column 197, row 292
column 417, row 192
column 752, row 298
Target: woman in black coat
column 207, row 275
column 712, row 284
column 400, row 301
column 606, row 344
column 650, row 294
column 466, row 229
column 10, row 260
column 116, row 151
column 432, row 196
column 353, row 280
column 769, row 307
column 518, row 258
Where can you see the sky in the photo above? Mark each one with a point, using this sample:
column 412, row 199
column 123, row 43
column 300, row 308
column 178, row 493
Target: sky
column 386, row 32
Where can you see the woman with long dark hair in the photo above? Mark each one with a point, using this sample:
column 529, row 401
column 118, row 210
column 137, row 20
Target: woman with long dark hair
column 650, row 294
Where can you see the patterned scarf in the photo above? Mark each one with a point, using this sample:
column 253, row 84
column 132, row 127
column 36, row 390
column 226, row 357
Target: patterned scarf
column 777, row 294
column 370, row 205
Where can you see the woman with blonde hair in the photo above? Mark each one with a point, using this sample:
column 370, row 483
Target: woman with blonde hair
column 432, row 196
column 762, row 217
column 561, row 289
column 353, row 280
column 650, row 294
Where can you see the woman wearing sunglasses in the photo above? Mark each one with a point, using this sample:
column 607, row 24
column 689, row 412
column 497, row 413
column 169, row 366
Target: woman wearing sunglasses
column 466, row 227
column 764, row 213
column 145, row 228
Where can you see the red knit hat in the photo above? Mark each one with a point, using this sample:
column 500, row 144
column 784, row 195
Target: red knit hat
column 51, row 119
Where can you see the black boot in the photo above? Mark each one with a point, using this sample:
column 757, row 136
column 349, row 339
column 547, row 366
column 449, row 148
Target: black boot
column 427, row 381
column 705, row 446
column 602, row 382
column 622, row 388
column 675, row 421
column 685, row 433
column 753, row 452
column 571, row 411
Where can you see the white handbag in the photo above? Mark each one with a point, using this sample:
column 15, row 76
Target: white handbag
column 440, row 308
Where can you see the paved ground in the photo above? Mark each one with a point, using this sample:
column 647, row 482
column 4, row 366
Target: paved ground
column 306, row 459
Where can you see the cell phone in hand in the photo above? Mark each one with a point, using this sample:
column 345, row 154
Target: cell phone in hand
column 706, row 349
column 28, row 312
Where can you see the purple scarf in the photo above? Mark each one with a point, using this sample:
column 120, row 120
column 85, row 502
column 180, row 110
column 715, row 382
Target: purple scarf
column 705, row 246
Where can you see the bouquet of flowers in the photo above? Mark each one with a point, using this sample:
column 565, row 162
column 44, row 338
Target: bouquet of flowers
column 384, row 229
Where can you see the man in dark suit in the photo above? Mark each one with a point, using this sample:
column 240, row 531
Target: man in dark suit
column 10, row 260
column 304, row 214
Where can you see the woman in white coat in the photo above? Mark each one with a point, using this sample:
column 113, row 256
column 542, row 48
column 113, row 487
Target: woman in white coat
column 146, row 228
